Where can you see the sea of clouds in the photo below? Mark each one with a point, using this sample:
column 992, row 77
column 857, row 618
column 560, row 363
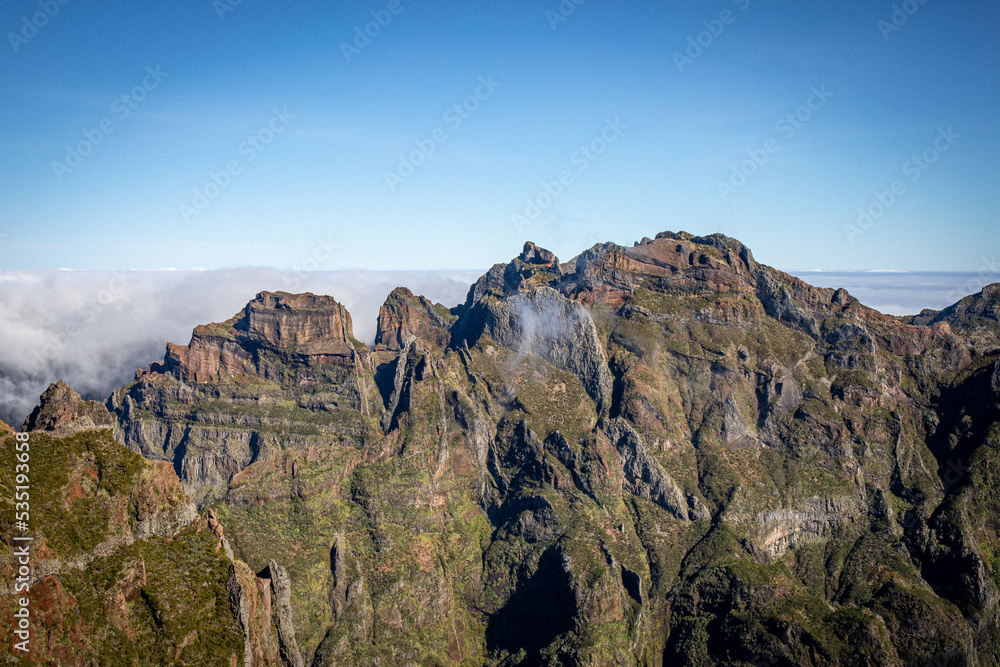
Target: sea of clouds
column 902, row 293
column 94, row 329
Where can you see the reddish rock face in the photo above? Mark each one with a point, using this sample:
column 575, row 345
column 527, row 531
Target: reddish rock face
column 404, row 315
column 303, row 328
column 607, row 273
column 304, row 323
column 62, row 411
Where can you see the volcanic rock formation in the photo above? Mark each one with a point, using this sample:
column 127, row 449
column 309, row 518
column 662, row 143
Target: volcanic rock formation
column 648, row 455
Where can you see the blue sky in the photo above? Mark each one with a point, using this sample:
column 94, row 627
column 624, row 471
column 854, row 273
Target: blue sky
column 253, row 137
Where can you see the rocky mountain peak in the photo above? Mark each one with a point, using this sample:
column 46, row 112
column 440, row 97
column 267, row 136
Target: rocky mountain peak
column 403, row 315
column 666, row 431
column 306, row 323
column 62, row 411
column 975, row 317
column 273, row 328
column 534, row 266
column 610, row 273
column 532, row 254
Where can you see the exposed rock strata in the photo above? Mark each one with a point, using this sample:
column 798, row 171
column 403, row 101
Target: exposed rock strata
column 305, row 329
column 404, row 315
column 644, row 455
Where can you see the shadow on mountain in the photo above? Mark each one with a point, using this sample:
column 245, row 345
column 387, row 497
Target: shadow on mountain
column 540, row 610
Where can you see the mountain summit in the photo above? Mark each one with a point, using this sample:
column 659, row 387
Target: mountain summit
column 665, row 454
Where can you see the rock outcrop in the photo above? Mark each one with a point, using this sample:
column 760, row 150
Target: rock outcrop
column 532, row 254
column 61, row 411
column 404, row 315
column 275, row 330
column 975, row 317
column 286, row 371
column 646, row 478
column 280, row 585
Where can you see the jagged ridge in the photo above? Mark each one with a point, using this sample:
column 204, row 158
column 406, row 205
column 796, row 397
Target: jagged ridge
column 660, row 453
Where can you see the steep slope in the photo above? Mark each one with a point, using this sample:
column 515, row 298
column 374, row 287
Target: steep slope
column 976, row 318
column 123, row 570
column 284, row 373
column 663, row 454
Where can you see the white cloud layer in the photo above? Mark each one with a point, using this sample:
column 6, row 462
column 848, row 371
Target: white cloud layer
column 94, row 329
column 903, row 293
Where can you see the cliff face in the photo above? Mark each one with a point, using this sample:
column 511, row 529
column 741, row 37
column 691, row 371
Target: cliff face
column 664, row 454
column 286, row 372
column 273, row 330
column 404, row 315
column 62, row 411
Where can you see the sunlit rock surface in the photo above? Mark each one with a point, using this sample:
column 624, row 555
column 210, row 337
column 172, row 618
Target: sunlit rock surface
column 657, row 455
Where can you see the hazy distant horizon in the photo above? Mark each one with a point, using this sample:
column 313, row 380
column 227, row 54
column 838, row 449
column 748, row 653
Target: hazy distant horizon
column 95, row 328
column 903, row 292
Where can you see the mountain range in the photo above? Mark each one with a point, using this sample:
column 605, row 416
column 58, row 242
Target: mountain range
column 665, row 454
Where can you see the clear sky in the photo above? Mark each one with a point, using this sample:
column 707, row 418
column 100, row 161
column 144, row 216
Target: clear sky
column 217, row 134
